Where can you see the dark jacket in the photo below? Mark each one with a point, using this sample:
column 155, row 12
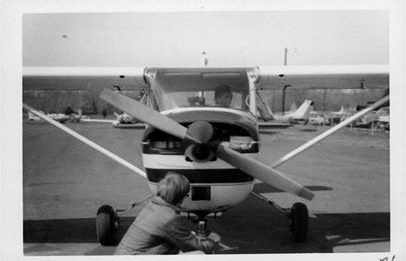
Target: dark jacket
column 159, row 229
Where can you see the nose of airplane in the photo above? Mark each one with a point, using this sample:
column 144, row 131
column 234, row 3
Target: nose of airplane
column 200, row 130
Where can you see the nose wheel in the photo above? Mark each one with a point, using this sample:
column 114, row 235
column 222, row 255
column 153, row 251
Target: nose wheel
column 106, row 225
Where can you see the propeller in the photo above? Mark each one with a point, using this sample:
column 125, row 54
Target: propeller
column 198, row 134
column 263, row 172
column 146, row 114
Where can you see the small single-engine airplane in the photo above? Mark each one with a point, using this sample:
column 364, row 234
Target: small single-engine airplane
column 123, row 120
column 216, row 148
column 59, row 117
column 302, row 114
column 33, row 117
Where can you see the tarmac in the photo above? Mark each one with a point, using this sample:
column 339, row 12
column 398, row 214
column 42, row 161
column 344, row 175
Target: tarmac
column 65, row 182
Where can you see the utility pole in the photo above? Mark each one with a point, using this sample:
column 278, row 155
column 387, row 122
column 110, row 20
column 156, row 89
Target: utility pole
column 285, row 62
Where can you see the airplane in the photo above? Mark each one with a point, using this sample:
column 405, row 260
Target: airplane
column 216, row 148
column 329, row 117
column 33, row 117
column 60, row 117
column 377, row 119
column 317, row 118
column 123, row 120
column 335, row 117
column 383, row 120
column 300, row 115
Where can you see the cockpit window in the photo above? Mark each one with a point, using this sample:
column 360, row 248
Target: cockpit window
column 199, row 88
column 172, row 100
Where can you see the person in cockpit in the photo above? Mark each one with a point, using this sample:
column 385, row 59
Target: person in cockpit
column 223, row 95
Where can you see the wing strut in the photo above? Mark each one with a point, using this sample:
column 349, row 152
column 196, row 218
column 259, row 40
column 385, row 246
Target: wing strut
column 330, row 131
column 86, row 141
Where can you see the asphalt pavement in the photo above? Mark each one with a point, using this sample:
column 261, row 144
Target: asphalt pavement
column 65, row 182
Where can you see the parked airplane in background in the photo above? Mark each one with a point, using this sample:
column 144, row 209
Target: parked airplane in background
column 59, row 117
column 317, row 118
column 33, row 117
column 335, row 117
column 123, row 120
column 375, row 119
column 216, row 148
column 301, row 115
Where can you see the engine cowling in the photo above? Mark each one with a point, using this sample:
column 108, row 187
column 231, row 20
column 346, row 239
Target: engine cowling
column 199, row 153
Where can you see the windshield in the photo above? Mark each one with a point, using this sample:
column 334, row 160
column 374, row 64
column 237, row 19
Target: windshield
column 181, row 99
column 199, row 87
column 167, row 98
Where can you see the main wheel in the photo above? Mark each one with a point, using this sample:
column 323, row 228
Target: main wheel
column 106, row 225
column 300, row 222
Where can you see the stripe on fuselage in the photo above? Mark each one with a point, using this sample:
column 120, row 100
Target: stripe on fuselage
column 202, row 175
column 219, row 171
column 159, row 161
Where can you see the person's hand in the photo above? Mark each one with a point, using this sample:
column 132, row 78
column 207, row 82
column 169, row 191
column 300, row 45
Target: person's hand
column 213, row 236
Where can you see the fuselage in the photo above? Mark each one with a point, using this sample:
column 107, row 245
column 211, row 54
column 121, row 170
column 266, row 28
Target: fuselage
column 215, row 184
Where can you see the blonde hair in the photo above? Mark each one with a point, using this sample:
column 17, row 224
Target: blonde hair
column 173, row 188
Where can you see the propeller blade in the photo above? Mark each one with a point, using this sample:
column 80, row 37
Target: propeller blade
column 263, row 172
column 146, row 114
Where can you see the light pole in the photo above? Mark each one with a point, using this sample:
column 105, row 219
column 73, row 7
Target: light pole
column 283, row 97
column 285, row 62
column 285, row 57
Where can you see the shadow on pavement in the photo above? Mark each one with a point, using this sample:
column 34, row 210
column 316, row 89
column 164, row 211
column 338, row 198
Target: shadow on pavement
column 250, row 227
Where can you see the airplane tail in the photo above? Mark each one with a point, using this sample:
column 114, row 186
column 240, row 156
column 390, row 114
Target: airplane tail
column 30, row 116
column 304, row 110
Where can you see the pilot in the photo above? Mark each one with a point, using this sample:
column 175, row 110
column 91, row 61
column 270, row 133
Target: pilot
column 159, row 228
column 223, row 95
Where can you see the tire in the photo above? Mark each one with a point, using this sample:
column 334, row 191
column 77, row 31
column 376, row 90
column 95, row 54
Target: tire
column 106, row 225
column 300, row 222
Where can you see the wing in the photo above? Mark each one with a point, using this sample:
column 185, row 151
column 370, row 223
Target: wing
column 343, row 76
column 194, row 79
column 83, row 78
column 190, row 78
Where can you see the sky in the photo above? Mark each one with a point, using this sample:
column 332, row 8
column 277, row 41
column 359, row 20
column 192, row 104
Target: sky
column 237, row 38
